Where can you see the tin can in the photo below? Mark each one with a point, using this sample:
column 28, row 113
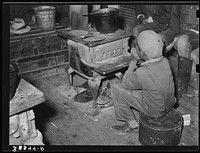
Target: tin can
column 45, row 17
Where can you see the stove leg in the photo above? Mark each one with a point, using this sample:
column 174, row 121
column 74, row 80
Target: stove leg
column 70, row 76
column 94, row 84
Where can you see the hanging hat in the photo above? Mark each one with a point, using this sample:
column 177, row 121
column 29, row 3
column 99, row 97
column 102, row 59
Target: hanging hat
column 150, row 43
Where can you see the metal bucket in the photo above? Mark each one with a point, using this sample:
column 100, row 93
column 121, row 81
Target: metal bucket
column 45, row 17
column 106, row 20
column 162, row 131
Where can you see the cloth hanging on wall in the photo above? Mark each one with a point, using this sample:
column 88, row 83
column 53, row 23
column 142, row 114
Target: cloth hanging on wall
column 77, row 20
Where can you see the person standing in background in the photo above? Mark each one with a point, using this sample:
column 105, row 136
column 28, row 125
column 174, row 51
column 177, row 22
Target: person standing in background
column 157, row 18
column 183, row 61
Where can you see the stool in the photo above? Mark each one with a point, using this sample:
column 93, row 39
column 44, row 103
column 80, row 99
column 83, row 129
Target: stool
column 164, row 130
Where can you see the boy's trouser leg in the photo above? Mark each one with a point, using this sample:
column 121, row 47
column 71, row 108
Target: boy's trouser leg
column 123, row 100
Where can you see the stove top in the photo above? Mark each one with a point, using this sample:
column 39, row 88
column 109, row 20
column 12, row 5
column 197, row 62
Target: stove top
column 91, row 37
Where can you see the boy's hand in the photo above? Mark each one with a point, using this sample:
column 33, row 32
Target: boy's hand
column 134, row 54
column 150, row 19
column 132, row 65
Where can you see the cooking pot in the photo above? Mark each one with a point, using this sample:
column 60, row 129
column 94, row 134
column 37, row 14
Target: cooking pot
column 106, row 20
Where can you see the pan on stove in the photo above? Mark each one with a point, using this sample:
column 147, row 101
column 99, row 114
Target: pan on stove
column 94, row 38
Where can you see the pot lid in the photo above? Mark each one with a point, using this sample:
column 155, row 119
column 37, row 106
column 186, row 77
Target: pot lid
column 106, row 10
column 78, row 33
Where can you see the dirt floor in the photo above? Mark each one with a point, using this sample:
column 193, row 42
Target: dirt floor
column 63, row 121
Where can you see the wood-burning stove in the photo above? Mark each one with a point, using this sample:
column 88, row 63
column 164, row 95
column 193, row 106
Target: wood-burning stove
column 96, row 56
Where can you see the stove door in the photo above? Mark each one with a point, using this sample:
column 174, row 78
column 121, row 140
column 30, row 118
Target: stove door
column 76, row 63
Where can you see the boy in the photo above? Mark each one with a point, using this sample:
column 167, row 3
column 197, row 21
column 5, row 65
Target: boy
column 148, row 88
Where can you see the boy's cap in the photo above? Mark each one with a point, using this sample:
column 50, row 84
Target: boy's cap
column 150, row 43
